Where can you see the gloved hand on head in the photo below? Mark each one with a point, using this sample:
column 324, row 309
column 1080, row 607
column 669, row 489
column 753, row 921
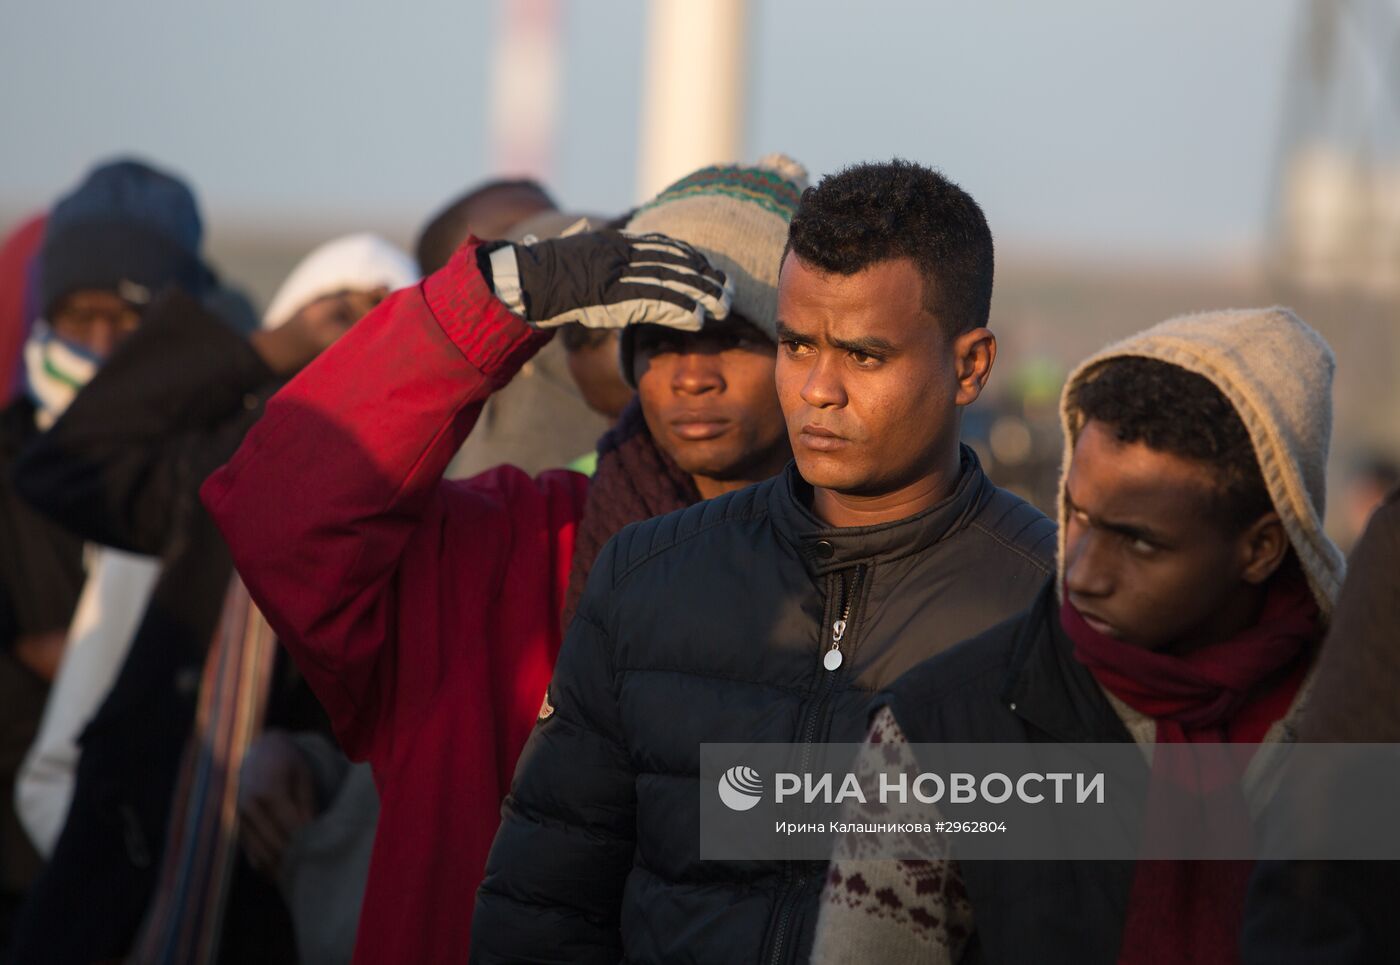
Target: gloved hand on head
column 607, row 279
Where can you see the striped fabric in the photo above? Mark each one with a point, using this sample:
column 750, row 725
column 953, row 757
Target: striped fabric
column 55, row 370
column 771, row 189
column 186, row 914
column 738, row 216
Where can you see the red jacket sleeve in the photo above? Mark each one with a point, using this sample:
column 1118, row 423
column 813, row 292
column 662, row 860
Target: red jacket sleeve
column 336, row 513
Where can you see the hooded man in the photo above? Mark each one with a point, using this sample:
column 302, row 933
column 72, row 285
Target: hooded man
column 122, row 468
column 772, row 614
column 1194, row 585
column 126, row 232
column 427, row 614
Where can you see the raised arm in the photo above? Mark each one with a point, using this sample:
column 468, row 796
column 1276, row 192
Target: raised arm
column 320, row 502
column 334, row 508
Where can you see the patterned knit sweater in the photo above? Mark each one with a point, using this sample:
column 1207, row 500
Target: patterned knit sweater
column 877, row 910
column 916, row 912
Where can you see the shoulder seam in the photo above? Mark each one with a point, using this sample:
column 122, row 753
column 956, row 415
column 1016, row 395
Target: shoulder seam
column 675, row 541
column 979, row 525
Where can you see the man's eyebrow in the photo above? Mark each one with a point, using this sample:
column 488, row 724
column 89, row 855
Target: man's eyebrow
column 867, row 345
column 787, row 334
column 1128, row 530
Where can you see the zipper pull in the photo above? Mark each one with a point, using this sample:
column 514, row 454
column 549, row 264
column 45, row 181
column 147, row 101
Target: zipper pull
column 832, row 659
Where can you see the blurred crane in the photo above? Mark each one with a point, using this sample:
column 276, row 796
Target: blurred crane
column 1336, row 216
column 1335, row 232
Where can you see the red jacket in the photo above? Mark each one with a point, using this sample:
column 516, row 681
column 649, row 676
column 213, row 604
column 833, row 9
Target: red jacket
column 425, row 614
column 17, row 251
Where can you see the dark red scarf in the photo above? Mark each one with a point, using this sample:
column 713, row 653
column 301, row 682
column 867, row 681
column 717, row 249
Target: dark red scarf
column 636, row 480
column 1232, row 691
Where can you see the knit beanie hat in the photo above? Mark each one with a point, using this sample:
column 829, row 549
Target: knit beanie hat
column 127, row 228
column 1277, row 373
column 360, row 262
column 738, row 217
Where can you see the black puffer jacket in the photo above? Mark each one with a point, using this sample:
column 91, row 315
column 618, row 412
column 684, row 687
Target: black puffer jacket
column 709, row 625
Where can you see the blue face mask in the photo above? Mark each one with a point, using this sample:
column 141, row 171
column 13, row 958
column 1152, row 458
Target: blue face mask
column 55, row 369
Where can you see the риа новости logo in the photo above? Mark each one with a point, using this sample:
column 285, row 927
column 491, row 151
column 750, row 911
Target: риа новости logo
column 740, row 788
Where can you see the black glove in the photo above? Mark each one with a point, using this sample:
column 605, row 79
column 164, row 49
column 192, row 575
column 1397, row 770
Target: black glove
column 607, row 279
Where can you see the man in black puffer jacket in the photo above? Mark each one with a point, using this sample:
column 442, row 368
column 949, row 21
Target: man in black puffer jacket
column 774, row 612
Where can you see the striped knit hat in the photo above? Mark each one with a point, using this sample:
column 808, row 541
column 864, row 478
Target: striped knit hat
column 738, row 217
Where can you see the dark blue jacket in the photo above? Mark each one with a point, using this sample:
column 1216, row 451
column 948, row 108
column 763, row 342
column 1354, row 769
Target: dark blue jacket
column 710, row 624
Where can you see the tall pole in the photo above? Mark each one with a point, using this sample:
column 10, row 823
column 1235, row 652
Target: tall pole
column 693, row 89
column 525, row 73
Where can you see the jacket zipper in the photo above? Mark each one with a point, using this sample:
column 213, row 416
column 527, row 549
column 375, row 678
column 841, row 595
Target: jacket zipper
column 831, row 662
column 833, row 658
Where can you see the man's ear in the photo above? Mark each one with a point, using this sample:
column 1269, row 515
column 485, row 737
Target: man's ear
column 974, row 353
column 1263, row 547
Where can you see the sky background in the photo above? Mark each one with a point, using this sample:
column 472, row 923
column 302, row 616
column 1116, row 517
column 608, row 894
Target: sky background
column 1088, row 127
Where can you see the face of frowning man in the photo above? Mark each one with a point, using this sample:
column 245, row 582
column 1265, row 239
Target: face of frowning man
column 97, row 320
column 708, row 401
column 1148, row 558
column 869, row 379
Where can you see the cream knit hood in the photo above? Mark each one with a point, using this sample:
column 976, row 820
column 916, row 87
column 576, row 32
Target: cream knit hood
column 1277, row 373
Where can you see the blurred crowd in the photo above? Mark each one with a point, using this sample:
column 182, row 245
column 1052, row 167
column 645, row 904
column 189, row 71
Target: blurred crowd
column 142, row 739
column 385, row 623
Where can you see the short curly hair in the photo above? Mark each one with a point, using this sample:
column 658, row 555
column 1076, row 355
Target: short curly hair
column 874, row 212
column 1169, row 409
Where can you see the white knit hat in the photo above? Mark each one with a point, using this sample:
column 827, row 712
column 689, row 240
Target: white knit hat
column 738, row 216
column 1277, row 373
column 359, row 262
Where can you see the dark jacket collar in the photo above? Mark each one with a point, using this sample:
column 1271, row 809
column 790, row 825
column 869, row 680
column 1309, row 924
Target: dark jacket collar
column 824, row 548
column 1048, row 688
